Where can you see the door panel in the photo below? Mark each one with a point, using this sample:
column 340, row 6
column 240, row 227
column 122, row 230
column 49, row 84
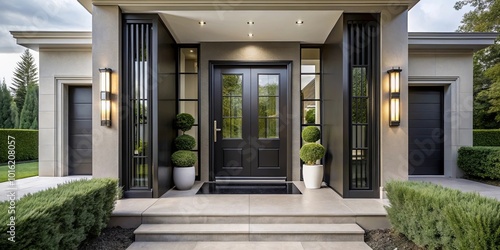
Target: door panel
column 425, row 135
column 80, row 131
column 250, row 110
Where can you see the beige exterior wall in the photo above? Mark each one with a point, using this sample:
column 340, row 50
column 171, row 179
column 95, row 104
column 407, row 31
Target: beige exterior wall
column 58, row 68
column 106, row 53
column 453, row 71
column 250, row 52
column 393, row 140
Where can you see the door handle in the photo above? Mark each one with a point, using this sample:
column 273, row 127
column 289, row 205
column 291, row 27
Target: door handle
column 216, row 130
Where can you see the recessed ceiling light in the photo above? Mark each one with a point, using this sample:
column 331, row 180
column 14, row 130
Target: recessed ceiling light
column 191, row 51
column 250, row 34
column 202, row 22
column 250, row 23
column 299, row 22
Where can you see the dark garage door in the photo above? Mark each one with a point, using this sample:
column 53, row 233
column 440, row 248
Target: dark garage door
column 425, row 117
column 80, row 131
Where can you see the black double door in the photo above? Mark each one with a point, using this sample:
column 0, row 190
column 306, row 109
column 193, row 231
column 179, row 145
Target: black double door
column 250, row 122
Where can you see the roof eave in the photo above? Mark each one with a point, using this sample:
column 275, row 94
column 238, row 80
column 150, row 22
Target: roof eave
column 87, row 4
column 54, row 40
column 450, row 40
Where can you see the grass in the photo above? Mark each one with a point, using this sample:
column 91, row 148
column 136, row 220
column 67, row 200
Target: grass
column 23, row 170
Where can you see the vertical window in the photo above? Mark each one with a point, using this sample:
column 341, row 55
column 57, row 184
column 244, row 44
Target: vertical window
column 188, row 93
column 232, row 106
column 138, row 91
column 310, row 88
column 362, row 88
column 269, row 106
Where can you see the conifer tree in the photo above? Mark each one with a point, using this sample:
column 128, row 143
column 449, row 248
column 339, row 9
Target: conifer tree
column 29, row 114
column 25, row 75
column 14, row 114
column 5, row 101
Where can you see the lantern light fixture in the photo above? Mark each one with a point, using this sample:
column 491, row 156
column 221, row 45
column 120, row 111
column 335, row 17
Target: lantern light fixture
column 394, row 96
column 105, row 85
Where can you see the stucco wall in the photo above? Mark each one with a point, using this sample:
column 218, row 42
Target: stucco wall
column 106, row 53
column 453, row 71
column 57, row 68
column 394, row 140
column 250, row 52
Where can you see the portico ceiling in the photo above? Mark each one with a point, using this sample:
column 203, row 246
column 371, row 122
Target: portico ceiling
column 233, row 26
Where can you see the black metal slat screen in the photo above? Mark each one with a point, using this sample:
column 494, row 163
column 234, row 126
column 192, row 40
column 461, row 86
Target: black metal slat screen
column 139, row 86
column 361, row 37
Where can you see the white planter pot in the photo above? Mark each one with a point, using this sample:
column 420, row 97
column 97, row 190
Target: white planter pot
column 313, row 176
column 184, row 177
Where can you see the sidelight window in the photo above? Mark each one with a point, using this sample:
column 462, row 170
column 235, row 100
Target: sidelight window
column 188, row 92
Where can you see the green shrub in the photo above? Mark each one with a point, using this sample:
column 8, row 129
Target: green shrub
column 184, row 142
column 311, row 134
column 481, row 162
column 311, row 116
column 311, row 152
column 184, row 121
column 62, row 217
column 26, row 144
column 435, row 217
column 486, row 137
column 183, row 158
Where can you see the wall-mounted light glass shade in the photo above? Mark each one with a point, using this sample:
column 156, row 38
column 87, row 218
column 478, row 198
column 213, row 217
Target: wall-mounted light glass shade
column 394, row 96
column 105, row 85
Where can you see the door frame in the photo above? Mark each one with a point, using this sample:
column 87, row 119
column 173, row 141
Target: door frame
column 213, row 64
column 451, row 98
column 61, row 123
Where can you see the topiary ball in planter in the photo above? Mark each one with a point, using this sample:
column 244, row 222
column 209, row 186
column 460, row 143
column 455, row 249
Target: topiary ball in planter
column 184, row 142
column 183, row 158
column 312, row 152
column 311, row 134
column 184, row 121
column 311, row 116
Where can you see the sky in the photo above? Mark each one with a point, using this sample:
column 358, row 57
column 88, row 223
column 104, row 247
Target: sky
column 69, row 15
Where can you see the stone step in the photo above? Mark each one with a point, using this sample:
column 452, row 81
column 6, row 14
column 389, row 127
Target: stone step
column 249, row 232
column 240, row 245
column 245, row 219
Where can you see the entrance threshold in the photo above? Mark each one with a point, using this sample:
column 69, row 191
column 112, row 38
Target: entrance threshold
column 248, row 188
column 250, row 180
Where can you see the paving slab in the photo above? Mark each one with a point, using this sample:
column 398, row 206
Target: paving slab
column 249, row 246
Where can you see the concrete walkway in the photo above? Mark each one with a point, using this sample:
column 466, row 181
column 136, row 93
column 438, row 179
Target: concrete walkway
column 34, row 184
column 463, row 185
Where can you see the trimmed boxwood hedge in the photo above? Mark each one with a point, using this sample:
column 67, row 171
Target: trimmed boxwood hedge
column 59, row 218
column 481, row 162
column 26, row 144
column 486, row 137
column 435, row 217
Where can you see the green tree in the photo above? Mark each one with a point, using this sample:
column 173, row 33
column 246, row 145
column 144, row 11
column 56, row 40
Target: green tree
column 6, row 99
column 14, row 114
column 484, row 18
column 25, row 75
column 29, row 114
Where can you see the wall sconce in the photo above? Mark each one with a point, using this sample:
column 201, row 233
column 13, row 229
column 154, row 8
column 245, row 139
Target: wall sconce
column 394, row 96
column 105, row 82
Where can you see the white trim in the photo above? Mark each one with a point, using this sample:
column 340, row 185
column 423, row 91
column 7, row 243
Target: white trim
column 54, row 40
column 451, row 130
column 450, row 41
column 61, row 90
column 228, row 5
